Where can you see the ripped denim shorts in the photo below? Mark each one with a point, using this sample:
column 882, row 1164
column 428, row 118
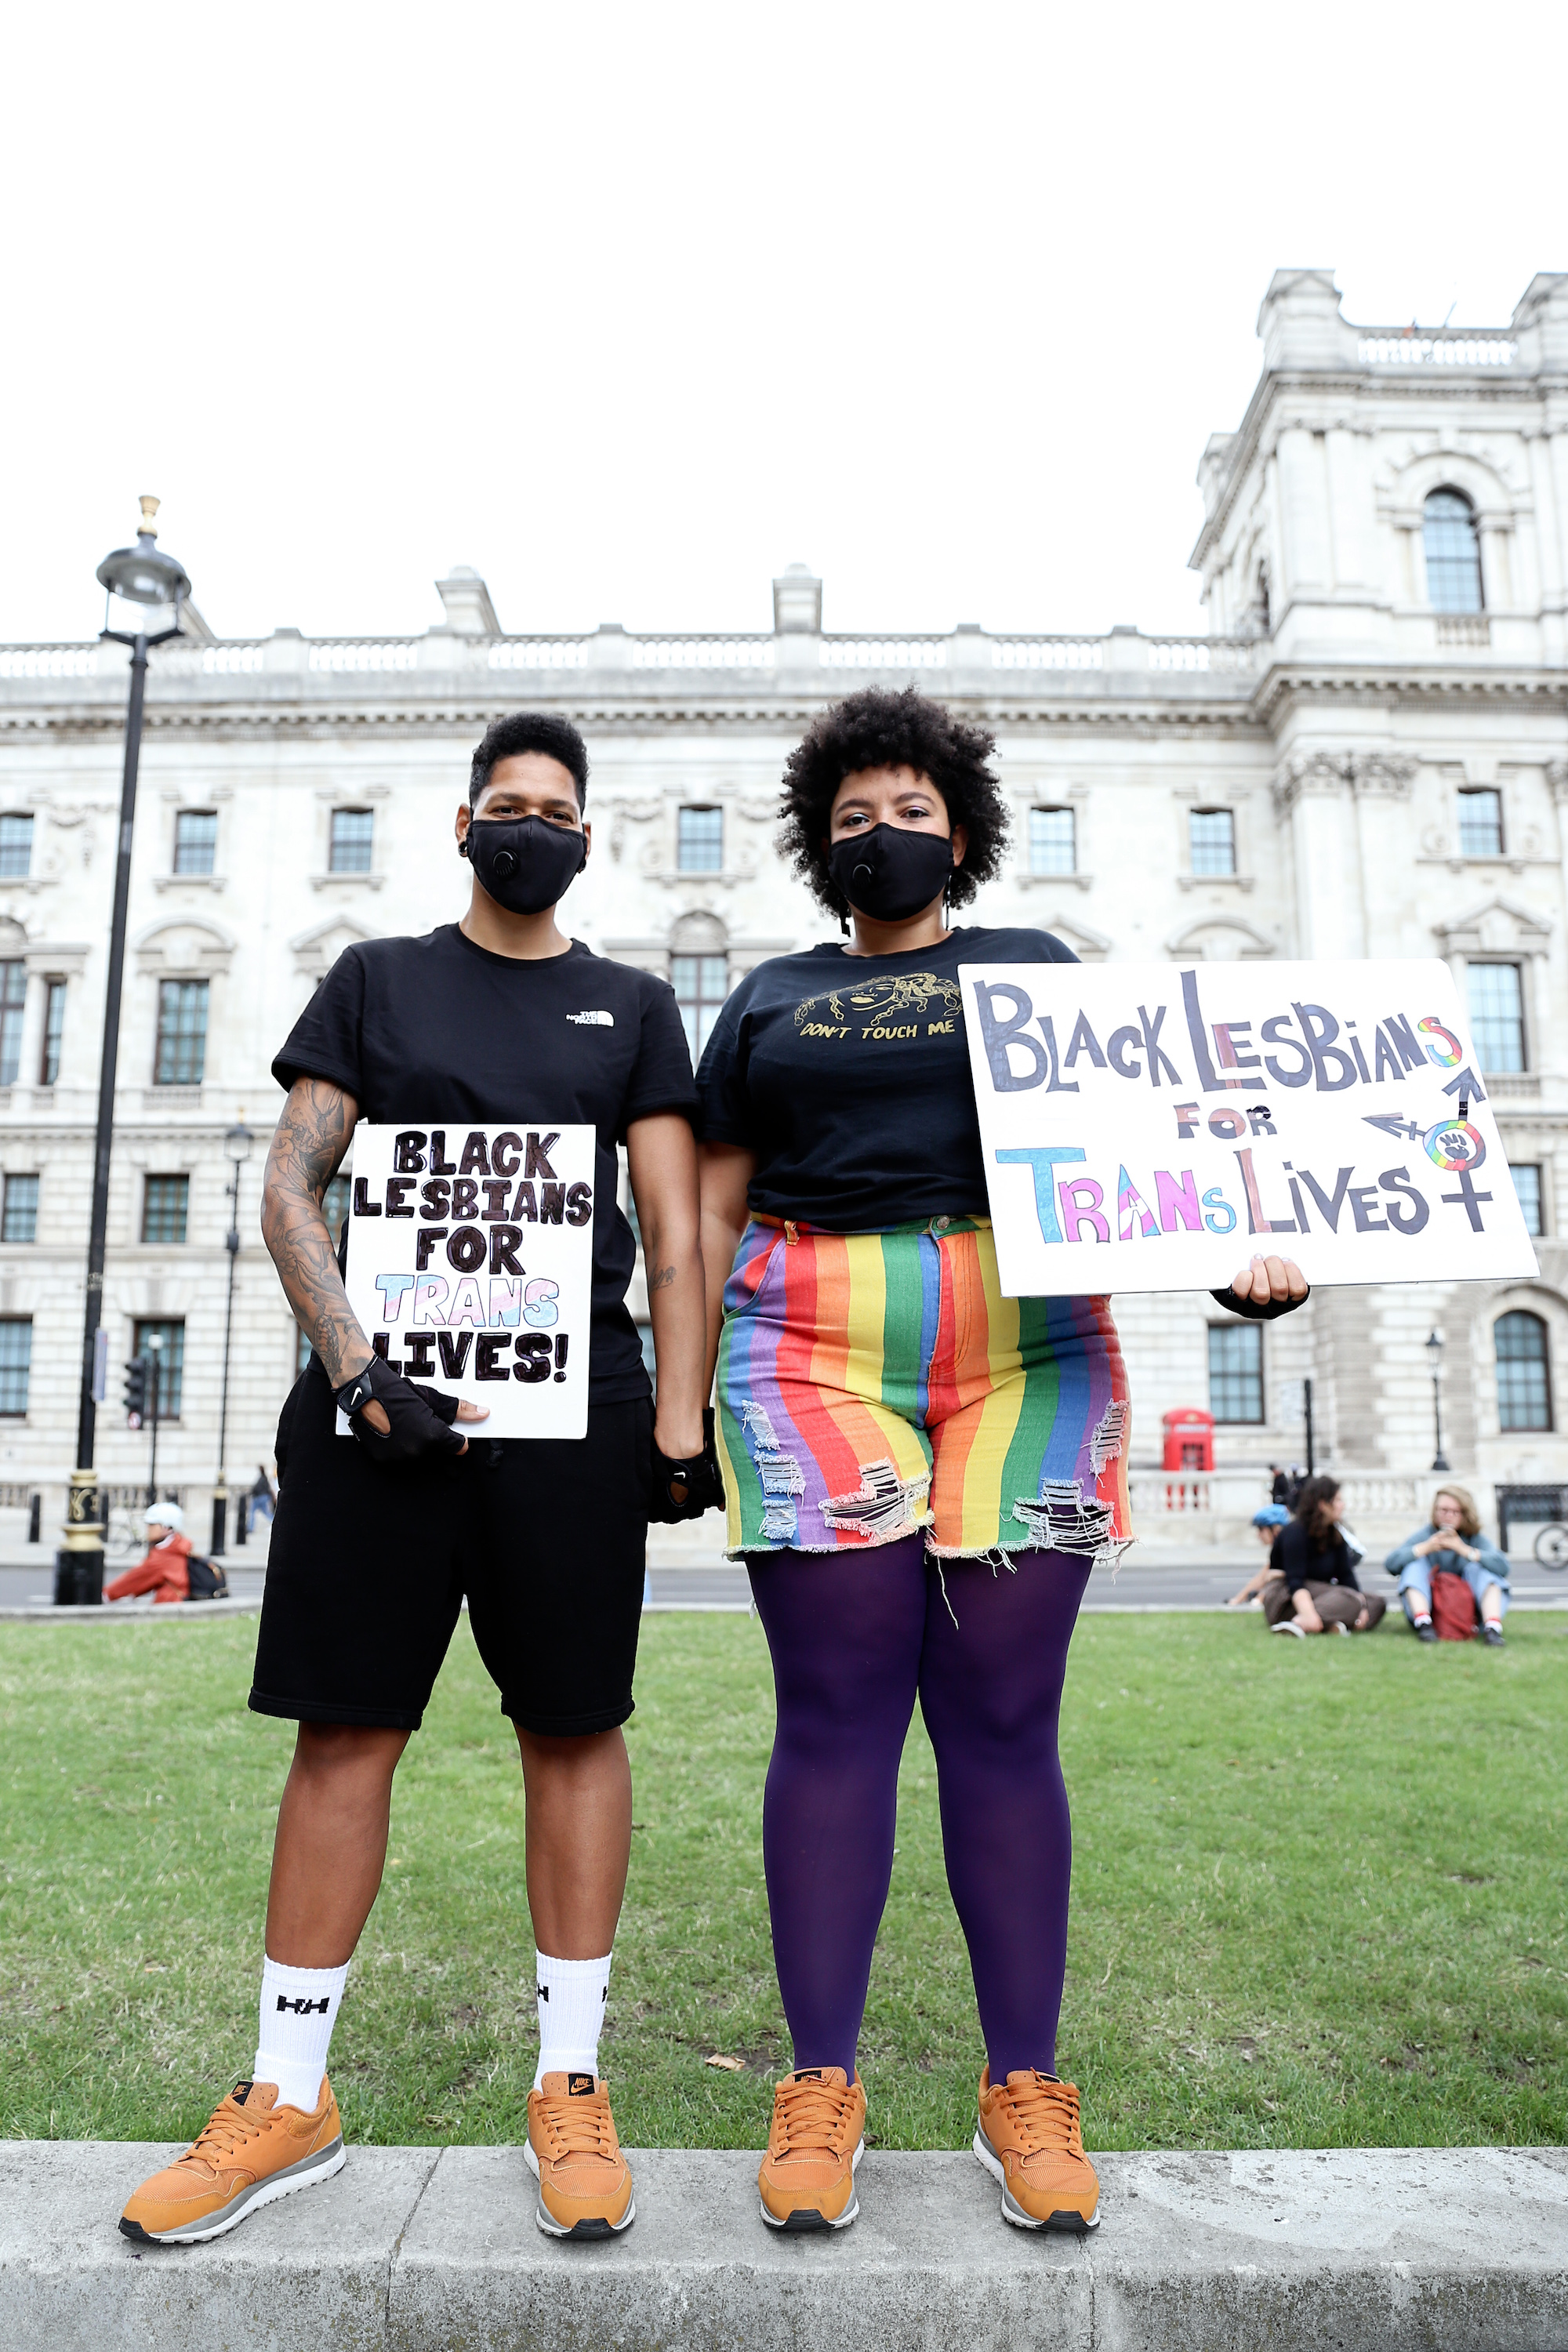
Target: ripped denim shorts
column 871, row 1385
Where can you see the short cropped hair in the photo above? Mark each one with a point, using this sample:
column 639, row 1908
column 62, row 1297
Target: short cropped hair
column 530, row 730
column 878, row 729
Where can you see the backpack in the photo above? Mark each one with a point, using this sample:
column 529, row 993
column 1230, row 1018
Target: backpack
column 1453, row 1607
column 209, row 1582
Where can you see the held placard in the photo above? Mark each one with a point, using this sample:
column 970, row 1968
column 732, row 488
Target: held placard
column 1149, row 1127
column 471, row 1267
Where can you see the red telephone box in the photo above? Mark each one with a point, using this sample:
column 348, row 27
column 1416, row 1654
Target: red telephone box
column 1189, row 1439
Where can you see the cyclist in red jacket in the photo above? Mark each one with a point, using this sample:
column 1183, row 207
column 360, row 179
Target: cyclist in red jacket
column 164, row 1573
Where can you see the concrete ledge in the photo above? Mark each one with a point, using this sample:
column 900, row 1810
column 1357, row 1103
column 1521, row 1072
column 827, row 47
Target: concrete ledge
column 422, row 2249
column 131, row 1612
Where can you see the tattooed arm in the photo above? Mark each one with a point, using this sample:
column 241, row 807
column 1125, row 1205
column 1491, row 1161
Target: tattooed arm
column 313, row 1135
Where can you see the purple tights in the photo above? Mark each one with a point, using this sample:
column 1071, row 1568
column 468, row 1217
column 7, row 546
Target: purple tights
column 854, row 1637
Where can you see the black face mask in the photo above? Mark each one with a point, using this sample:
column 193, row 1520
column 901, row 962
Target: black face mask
column 889, row 872
column 524, row 863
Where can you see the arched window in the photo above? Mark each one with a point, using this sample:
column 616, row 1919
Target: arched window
column 1453, row 554
column 1523, row 1372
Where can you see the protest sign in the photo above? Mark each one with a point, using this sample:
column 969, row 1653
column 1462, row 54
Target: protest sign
column 1146, row 1128
column 471, row 1267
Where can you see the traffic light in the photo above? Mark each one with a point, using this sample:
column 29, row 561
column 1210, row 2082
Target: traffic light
column 138, row 1373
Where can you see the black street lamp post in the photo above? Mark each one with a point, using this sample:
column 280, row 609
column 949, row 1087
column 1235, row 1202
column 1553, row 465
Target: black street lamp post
column 1435, row 1358
column 155, row 1405
column 143, row 586
column 236, row 1144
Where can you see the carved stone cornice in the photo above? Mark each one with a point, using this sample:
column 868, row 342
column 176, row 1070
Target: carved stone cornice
column 1323, row 773
column 1386, row 772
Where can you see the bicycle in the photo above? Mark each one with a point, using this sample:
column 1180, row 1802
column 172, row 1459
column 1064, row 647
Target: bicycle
column 122, row 1536
column 1552, row 1545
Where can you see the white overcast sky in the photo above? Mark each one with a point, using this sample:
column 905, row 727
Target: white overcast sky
column 630, row 307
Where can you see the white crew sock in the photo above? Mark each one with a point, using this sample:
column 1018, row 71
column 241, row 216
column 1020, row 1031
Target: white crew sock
column 298, row 2010
column 571, row 2012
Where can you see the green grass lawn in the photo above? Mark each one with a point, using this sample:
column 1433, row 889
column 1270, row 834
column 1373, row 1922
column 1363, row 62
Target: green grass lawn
column 1317, row 1896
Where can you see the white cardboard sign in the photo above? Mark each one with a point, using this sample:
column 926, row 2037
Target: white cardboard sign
column 471, row 1267
column 1149, row 1127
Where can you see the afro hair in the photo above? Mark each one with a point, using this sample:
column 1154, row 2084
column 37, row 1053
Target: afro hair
column 877, row 728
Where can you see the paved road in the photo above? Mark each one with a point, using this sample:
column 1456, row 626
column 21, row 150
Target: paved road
column 1192, row 1586
column 22, row 1586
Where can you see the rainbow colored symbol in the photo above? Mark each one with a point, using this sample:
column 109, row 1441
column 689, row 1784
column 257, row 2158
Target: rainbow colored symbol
column 1442, row 1046
column 1454, row 1144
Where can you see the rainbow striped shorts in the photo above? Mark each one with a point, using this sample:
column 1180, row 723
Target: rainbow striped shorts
column 871, row 1385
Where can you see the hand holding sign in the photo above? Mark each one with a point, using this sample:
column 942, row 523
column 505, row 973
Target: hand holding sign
column 396, row 1421
column 1270, row 1282
column 1138, row 1122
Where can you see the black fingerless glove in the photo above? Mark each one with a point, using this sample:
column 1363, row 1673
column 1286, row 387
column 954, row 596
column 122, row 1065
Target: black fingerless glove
column 421, row 1418
column 1265, row 1313
column 684, row 1490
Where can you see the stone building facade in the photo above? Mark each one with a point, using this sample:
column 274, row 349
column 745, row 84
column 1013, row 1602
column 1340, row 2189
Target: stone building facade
column 1366, row 755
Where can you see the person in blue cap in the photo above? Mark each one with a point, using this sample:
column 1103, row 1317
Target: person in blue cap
column 1267, row 1522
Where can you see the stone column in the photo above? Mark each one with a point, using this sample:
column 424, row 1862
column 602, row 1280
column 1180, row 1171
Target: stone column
column 1381, row 784
column 1312, row 800
column 1350, row 505
column 1305, row 560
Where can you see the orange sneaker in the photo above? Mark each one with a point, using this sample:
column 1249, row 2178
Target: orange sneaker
column 585, row 2181
column 252, row 2152
column 1028, row 2135
column 818, row 2138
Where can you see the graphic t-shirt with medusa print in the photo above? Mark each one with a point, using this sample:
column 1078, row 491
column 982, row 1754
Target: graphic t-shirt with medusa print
column 849, row 1077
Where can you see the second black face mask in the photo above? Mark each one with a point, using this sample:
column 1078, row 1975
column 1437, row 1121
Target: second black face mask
column 525, row 863
column 889, row 872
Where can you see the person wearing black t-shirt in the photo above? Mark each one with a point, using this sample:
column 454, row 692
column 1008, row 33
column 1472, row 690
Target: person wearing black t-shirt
column 498, row 1018
column 920, row 1472
column 1318, row 1592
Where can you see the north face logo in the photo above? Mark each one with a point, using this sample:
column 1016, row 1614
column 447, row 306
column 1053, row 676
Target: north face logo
column 306, row 2008
column 595, row 1020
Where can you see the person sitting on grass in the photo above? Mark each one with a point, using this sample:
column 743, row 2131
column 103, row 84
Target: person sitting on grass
column 164, row 1573
column 1267, row 1523
column 1318, row 1592
column 1452, row 1540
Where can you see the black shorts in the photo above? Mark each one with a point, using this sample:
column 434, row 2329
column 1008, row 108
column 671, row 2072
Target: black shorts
column 370, row 1561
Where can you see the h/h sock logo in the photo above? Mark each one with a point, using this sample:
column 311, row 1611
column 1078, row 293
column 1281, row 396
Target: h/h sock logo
column 305, row 2008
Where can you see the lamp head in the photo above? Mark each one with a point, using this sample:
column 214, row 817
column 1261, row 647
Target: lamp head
column 237, row 1143
column 1435, row 1347
column 144, row 580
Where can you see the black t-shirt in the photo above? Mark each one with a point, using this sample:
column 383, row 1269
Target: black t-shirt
column 437, row 1028
column 849, row 1077
column 1294, row 1557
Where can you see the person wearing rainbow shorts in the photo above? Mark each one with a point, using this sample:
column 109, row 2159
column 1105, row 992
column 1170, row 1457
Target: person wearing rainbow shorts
column 920, row 1473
